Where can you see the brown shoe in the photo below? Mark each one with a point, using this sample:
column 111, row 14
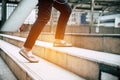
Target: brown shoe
column 29, row 56
column 61, row 43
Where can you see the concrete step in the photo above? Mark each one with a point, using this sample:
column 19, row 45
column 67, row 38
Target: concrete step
column 98, row 42
column 5, row 72
column 84, row 62
column 24, row 70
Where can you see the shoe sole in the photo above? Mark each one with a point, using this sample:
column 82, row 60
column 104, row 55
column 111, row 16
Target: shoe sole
column 35, row 61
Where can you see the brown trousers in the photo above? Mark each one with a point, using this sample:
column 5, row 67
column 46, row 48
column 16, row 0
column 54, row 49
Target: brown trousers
column 45, row 7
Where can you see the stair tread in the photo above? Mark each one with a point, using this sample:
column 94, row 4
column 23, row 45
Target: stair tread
column 43, row 70
column 96, row 56
column 5, row 72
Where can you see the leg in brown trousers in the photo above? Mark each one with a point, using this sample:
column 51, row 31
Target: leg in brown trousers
column 45, row 7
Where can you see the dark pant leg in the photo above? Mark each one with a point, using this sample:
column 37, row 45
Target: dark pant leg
column 65, row 11
column 44, row 13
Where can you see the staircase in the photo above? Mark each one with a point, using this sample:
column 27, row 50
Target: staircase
column 69, row 63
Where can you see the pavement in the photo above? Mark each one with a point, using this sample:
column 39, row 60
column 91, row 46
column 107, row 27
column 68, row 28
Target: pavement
column 5, row 72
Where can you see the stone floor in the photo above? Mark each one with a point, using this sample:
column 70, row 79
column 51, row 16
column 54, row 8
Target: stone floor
column 5, row 72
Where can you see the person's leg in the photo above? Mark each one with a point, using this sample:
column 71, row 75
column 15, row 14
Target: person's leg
column 65, row 11
column 44, row 13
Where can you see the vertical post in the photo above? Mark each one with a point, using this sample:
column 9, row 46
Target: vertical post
column 92, row 14
column 4, row 12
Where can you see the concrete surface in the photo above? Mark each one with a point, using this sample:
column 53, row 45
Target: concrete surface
column 82, row 57
column 5, row 72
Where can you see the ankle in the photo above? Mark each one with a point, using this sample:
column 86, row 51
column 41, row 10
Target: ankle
column 27, row 49
column 58, row 40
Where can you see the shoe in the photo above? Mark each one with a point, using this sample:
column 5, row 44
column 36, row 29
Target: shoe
column 61, row 43
column 29, row 56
